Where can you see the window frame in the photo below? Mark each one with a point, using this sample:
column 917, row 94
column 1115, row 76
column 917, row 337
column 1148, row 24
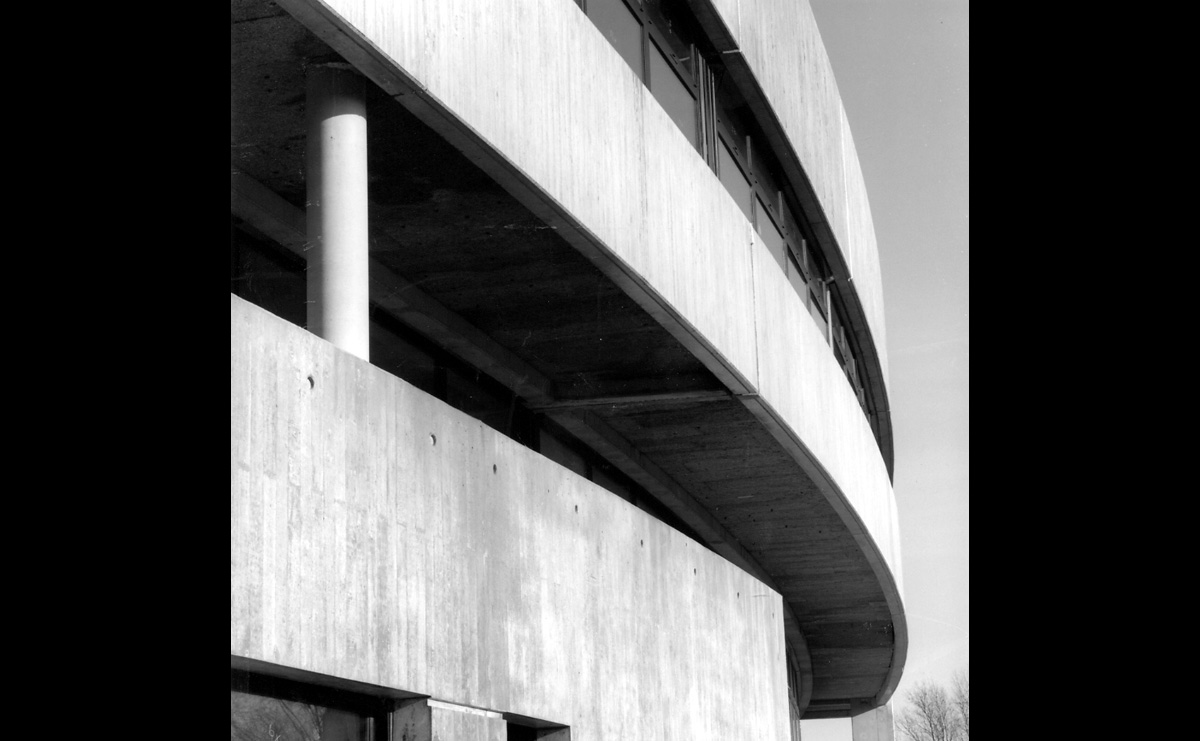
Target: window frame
column 684, row 69
column 376, row 710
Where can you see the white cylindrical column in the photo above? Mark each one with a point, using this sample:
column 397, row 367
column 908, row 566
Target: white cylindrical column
column 338, row 288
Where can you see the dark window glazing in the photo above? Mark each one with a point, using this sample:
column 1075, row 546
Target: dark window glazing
column 258, row 718
column 674, row 26
column 705, row 104
column 675, row 97
column 735, row 181
column 622, row 29
column 796, row 277
column 269, row 708
column 770, row 234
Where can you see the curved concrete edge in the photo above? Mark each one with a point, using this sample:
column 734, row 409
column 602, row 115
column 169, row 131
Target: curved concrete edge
column 801, row 381
column 775, row 54
column 891, row 586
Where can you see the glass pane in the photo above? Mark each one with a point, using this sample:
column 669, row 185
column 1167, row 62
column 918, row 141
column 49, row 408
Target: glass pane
column 734, row 181
column 763, row 169
column 257, row 718
column 770, row 235
column 796, row 278
column 672, row 94
column 622, row 29
column 671, row 20
column 818, row 317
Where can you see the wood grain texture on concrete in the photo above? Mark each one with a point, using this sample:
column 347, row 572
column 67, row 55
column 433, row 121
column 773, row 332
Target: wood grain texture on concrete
column 782, row 46
column 380, row 536
column 587, row 132
column 802, row 385
column 594, row 139
column 533, row 89
column 584, row 129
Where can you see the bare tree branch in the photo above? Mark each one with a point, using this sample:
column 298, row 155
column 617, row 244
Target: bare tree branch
column 933, row 716
column 962, row 702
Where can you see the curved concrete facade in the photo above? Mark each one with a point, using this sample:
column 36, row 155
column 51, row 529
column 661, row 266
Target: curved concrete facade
column 534, row 95
column 780, row 42
column 666, row 224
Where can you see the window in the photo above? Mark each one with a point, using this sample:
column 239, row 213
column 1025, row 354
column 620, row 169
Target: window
column 796, row 276
column 770, row 234
column 263, row 707
column 844, row 351
column 735, row 180
column 521, row 728
column 662, row 42
column 658, row 39
column 623, row 30
column 675, row 97
column 816, row 305
column 650, row 38
column 839, row 337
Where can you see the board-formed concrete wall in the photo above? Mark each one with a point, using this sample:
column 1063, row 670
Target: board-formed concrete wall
column 380, row 536
column 781, row 43
column 800, row 382
column 540, row 87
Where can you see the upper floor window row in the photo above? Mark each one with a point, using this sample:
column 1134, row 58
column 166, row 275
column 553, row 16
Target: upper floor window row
column 662, row 43
column 649, row 36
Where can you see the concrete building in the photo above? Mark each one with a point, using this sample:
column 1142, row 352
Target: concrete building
column 558, row 386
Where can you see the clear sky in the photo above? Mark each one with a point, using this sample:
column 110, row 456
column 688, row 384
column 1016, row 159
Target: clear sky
column 902, row 68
